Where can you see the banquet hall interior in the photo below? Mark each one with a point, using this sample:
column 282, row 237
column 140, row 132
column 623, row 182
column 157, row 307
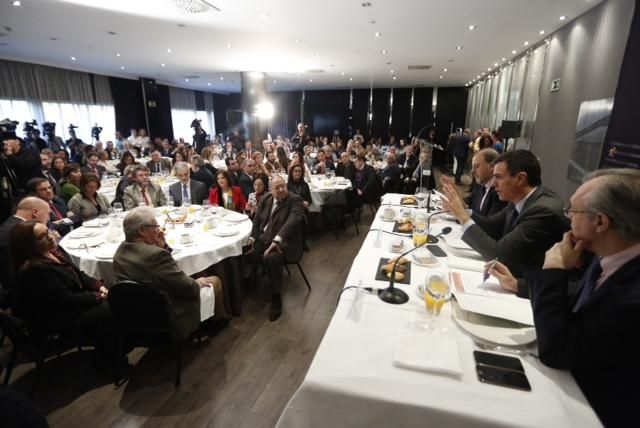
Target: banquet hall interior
column 338, row 213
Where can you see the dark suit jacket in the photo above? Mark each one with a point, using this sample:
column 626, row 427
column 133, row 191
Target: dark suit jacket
column 348, row 172
column 245, row 182
column 460, row 146
column 286, row 222
column 61, row 206
column 87, row 170
column 391, row 179
column 6, row 276
column 540, row 225
column 154, row 266
column 165, row 165
column 369, row 184
column 492, row 203
column 204, row 176
column 197, row 190
column 411, row 164
column 599, row 343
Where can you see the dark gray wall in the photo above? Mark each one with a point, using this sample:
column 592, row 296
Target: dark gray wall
column 586, row 55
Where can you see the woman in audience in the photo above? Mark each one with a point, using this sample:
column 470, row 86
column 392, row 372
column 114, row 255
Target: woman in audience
column 103, row 159
column 297, row 160
column 282, row 158
column 57, row 168
column 63, row 154
column 225, row 195
column 260, row 166
column 54, row 296
column 208, row 156
column 297, row 185
column 260, row 187
column 126, row 159
column 112, row 152
column 89, row 204
column 70, row 183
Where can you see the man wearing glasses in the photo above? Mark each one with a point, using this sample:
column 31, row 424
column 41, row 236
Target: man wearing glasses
column 145, row 258
column 142, row 191
column 520, row 234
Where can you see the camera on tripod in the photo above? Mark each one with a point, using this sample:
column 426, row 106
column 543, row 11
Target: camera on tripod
column 29, row 127
column 7, row 125
column 95, row 132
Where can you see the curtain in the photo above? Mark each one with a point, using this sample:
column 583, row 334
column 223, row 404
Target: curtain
column 183, row 111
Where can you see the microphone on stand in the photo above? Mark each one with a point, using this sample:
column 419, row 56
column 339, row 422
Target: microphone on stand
column 395, row 296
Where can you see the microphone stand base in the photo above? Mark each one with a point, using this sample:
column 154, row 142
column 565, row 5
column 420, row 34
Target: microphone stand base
column 395, row 296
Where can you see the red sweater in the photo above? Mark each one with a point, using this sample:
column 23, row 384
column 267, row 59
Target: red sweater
column 237, row 198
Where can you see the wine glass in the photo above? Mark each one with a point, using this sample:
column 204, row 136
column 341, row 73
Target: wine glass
column 421, row 195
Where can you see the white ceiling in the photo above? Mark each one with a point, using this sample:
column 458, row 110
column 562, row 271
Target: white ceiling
column 335, row 36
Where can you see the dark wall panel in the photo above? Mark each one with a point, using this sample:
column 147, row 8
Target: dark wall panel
column 380, row 110
column 326, row 111
column 164, row 125
column 223, row 108
column 127, row 103
column 360, row 110
column 422, row 116
column 286, row 113
column 401, row 113
column 451, row 111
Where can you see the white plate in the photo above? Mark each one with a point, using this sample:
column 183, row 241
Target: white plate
column 436, row 262
column 91, row 223
column 225, row 231
column 234, row 217
column 77, row 244
column 83, row 233
column 388, row 221
column 103, row 253
column 494, row 330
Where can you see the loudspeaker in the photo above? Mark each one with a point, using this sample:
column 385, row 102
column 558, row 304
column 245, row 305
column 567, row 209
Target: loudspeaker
column 511, row 128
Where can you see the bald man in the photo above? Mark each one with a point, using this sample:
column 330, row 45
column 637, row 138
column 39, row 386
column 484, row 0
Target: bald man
column 29, row 208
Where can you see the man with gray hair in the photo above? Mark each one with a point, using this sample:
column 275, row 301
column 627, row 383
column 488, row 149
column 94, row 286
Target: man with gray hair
column 187, row 189
column 142, row 191
column 483, row 199
column 145, row 258
column 594, row 332
column 158, row 164
column 200, row 173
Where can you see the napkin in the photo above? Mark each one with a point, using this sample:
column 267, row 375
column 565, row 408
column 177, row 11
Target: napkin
column 426, row 351
column 207, row 303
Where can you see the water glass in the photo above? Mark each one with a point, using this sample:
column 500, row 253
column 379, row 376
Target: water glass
column 117, row 208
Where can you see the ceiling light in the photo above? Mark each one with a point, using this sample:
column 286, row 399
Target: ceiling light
column 342, row 74
column 394, row 77
column 445, row 70
column 495, row 64
column 541, row 32
column 514, row 52
column 489, row 69
column 391, row 71
column 310, row 80
column 377, row 34
column 526, row 43
column 162, row 65
column 504, row 59
column 482, row 74
column 122, row 67
column 73, row 58
column 168, row 50
column 442, row 77
column 472, row 27
column 317, row 54
column 478, row 76
column 186, row 80
column 350, row 78
column 17, row 3
column 221, row 78
column 208, row 83
column 562, row 18
column 459, row 48
column 117, row 54
column 384, row 51
column 275, row 81
column 296, row 41
column 228, row 45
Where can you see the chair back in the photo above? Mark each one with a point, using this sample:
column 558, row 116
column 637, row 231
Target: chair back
column 15, row 329
column 139, row 309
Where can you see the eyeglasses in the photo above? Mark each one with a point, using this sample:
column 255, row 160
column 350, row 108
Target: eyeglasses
column 156, row 226
column 568, row 211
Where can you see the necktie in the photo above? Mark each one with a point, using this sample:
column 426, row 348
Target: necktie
column 185, row 192
column 144, row 196
column 55, row 211
column 592, row 275
column 158, row 167
column 95, row 171
column 510, row 222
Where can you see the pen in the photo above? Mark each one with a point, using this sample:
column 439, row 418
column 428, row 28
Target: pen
column 490, row 266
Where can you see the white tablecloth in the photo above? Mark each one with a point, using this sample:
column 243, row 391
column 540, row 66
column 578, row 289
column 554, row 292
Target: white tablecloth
column 352, row 381
column 327, row 191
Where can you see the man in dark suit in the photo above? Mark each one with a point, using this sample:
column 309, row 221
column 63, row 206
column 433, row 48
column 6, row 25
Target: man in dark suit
column 366, row 182
column 245, row 178
column 193, row 189
column 145, row 258
column 200, row 173
column 45, row 160
column 232, row 167
column 391, row 175
column 520, row 234
column 92, row 166
column 484, row 199
column 300, row 139
column 24, row 163
column 345, row 167
column 277, row 236
column 60, row 218
column 408, row 162
column 158, row 164
column 460, row 149
column 593, row 332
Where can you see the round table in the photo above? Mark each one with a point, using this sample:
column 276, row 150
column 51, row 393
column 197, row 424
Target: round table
column 92, row 248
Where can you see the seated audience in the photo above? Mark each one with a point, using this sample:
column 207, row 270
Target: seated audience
column 126, row 159
column 187, row 188
column 245, row 178
column 208, row 156
column 519, row 235
column 321, row 165
column 54, row 296
column 46, row 162
column 592, row 332
column 57, row 167
column 145, row 258
column 391, row 175
column 225, row 195
column 276, row 236
column 282, row 158
column 158, row 164
column 298, row 186
column 125, row 181
column 260, row 188
column 89, row 204
column 233, row 169
column 345, row 167
column 271, row 165
column 483, row 199
column 143, row 191
column 422, row 176
column 92, row 166
column 200, row 173
column 366, row 182
column 103, row 161
column 61, row 219
column 70, row 184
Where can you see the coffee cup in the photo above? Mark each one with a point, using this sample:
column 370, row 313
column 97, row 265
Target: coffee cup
column 185, row 238
column 388, row 213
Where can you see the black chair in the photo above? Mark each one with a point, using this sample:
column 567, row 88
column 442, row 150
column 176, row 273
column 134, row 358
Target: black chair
column 145, row 317
column 297, row 263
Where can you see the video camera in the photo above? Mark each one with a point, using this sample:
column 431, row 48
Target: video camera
column 195, row 124
column 95, row 132
column 8, row 126
column 49, row 129
column 29, row 127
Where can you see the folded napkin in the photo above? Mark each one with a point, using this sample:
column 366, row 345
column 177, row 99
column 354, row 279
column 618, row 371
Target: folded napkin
column 426, row 351
column 207, row 303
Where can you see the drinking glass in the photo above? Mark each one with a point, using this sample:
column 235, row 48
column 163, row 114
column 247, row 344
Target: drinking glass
column 436, row 293
column 170, row 203
column 421, row 195
column 186, row 202
column 117, row 208
column 420, row 232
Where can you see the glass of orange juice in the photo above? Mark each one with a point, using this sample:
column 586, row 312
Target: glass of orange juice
column 420, row 232
column 436, row 293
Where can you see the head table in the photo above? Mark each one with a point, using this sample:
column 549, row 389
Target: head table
column 355, row 379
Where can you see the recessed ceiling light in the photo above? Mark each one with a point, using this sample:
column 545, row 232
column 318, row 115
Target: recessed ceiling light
column 122, row 67
column 73, row 58
column 395, row 77
column 541, row 32
column 514, row 52
column 495, row 64
column 482, row 74
column 489, row 69
column 208, row 83
column 162, row 65
column 221, row 77
column 310, row 80
column 445, row 70
column 296, row 41
column 350, row 78
column 342, row 74
column 168, row 50
column 228, row 45
column 472, row 27
column 503, row 59
column 391, row 71
column 275, row 81
column 117, row 54
column 459, row 48
column 526, row 43
column 383, row 51
column 17, row 3
column 442, row 77
column 186, row 80
column 562, row 18
column 478, row 76
column 377, row 34
column 317, row 54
